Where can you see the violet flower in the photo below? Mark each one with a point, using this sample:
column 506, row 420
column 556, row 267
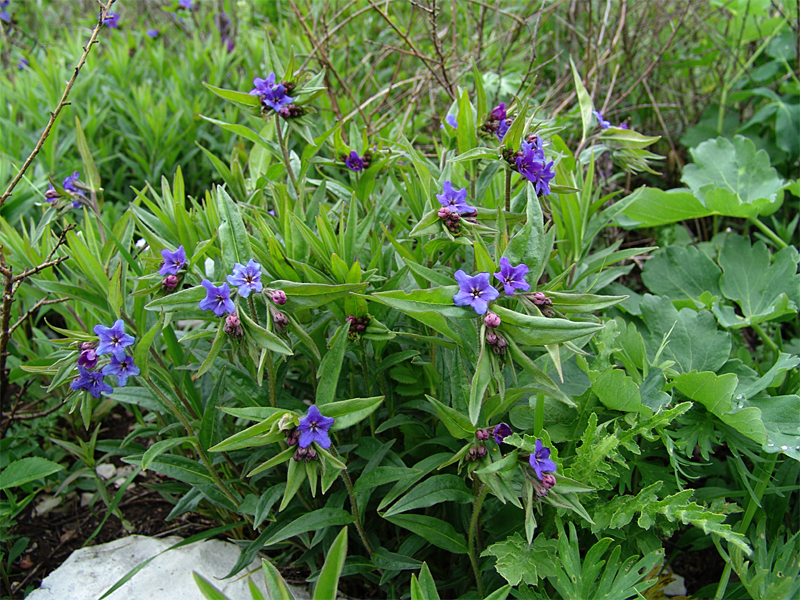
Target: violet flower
column 5, row 16
column 152, row 33
column 272, row 95
column 451, row 120
column 454, row 200
column 88, row 356
column 122, row 366
column 69, row 186
column 51, row 195
column 540, row 460
column 600, row 120
column 185, row 4
column 112, row 20
column 23, row 64
column 173, row 261
column 501, row 432
column 354, row 162
column 623, row 125
column 247, row 278
column 217, row 299
column 92, row 382
column 499, row 112
column 112, row 339
column 314, row 428
column 475, row 291
column 512, row 278
column 534, row 167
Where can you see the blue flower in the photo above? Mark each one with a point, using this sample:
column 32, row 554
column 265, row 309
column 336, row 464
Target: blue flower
column 112, row 20
column 185, row 4
column 69, row 186
column 272, row 96
column 173, row 261
column 88, row 357
column 451, row 120
column 532, row 165
column 502, row 128
column 152, row 33
column 122, row 366
column 91, row 381
column 112, row 339
column 4, row 14
column 23, row 64
column 354, row 162
column 501, row 431
column 540, row 460
column 217, row 299
column 247, row 278
column 454, row 200
column 512, row 278
column 475, row 291
column 600, row 120
column 314, row 428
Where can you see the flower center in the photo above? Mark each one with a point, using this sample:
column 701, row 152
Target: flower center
column 313, row 425
column 476, row 292
column 115, row 340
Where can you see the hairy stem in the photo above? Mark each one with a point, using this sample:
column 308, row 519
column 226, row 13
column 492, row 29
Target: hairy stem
column 354, row 507
column 252, row 306
column 508, row 190
column 472, row 543
column 285, row 151
column 273, row 400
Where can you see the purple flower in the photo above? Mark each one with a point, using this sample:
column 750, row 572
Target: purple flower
column 512, row 278
column 51, row 195
column 88, row 356
column 23, row 64
column 314, row 428
column 451, row 120
column 5, row 15
column 454, row 200
column 354, row 162
column 501, row 432
column 272, row 96
column 69, row 186
column 217, row 299
column 623, row 125
column 122, row 366
column 185, row 4
column 170, row 282
column 247, row 278
column 499, row 112
column 173, row 261
column 600, row 120
column 540, row 460
column 532, row 165
column 112, row 20
column 502, row 128
column 475, row 291
column 112, row 339
column 91, row 381
column 278, row 297
column 152, row 33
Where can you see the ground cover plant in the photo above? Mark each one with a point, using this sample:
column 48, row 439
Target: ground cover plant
column 417, row 317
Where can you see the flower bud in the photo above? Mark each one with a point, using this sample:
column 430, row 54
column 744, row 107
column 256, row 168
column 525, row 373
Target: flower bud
column 300, row 454
column 548, row 480
column 233, row 326
column 170, row 282
column 492, row 320
column 311, row 454
column 472, row 454
column 491, row 338
column 443, row 213
column 292, row 437
column 482, row 434
column 279, row 297
column 88, row 356
column 539, row 299
column 280, row 320
column 481, row 451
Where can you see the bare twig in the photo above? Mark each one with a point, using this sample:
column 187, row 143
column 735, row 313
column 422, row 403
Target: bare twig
column 33, row 309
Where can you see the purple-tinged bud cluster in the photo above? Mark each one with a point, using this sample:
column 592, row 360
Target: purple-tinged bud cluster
column 452, row 220
column 170, row 282
column 292, row 436
column 358, row 325
column 476, row 453
column 279, row 320
column 291, row 111
column 304, row 454
column 497, row 343
column 498, row 122
column 539, row 299
column 278, row 297
column 273, row 96
column 233, row 327
column 88, row 356
column 482, row 434
column 492, row 320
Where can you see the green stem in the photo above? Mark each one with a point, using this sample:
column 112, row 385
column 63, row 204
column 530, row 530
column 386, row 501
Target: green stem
column 285, row 151
column 765, row 338
column 538, row 415
column 473, row 528
column 768, row 232
column 354, row 507
column 273, row 400
column 252, row 305
column 508, row 190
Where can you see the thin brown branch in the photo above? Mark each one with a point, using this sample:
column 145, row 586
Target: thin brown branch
column 33, row 309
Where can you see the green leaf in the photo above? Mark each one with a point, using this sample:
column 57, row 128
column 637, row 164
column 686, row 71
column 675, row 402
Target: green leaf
column 276, row 586
column 232, row 233
column 480, row 383
column 323, row 517
column 681, row 273
column 518, row 562
column 349, row 412
column 312, row 295
column 439, row 533
column 438, row 299
column 208, row 590
column 178, row 467
column 616, row 137
column 528, row 246
column 781, row 418
column 261, row 337
column 427, row 586
column 584, row 101
column 162, row 446
column 762, row 290
column 25, row 470
column 89, row 166
column 188, row 299
column 328, row 582
column 457, row 423
column 115, row 291
column 436, row 489
column 617, row 391
column 540, row 331
column 331, row 367
column 583, row 303
column 216, row 347
column 233, row 96
column 694, row 342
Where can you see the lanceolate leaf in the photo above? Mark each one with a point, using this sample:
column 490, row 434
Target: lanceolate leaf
column 439, row 533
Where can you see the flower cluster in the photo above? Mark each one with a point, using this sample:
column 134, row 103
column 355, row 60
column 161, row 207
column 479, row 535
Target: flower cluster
column 478, row 451
column 52, row 196
column 233, row 327
column 496, row 342
column 312, row 429
column 498, row 122
column 273, row 96
column 531, row 163
column 247, row 278
column 110, row 340
column 452, row 220
column 358, row 325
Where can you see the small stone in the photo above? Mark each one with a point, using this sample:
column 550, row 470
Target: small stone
column 106, row 470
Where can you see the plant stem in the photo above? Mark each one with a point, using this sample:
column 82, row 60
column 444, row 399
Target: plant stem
column 538, row 415
column 354, row 507
column 252, row 305
column 768, row 232
column 282, row 144
column 473, row 528
column 765, row 338
column 508, row 190
column 273, row 400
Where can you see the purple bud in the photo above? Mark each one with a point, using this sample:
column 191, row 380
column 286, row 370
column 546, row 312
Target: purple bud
column 233, row 326
column 481, row 451
column 491, row 338
column 279, row 297
column 539, row 299
column 300, row 454
column 443, row 213
column 482, row 434
column 548, row 480
column 492, row 320
column 280, row 320
column 311, row 454
column 88, row 356
column 292, row 437
column 170, row 282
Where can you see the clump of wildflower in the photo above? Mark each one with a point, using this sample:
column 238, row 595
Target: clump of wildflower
column 314, row 428
column 218, row 299
column 454, row 200
column 122, row 367
column 92, row 382
column 358, row 325
column 273, row 96
column 452, row 220
column 474, row 291
column 111, row 20
column 88, row 356
column 492, row 320
column 173, row 261
column 170, row 282
column 531, row 163
column 512, row 278
column 278, row 297
column 233, row 326
column 247, row 278
column 113, row 339
column 600, row 120
column 540, row 460
column 496, row 342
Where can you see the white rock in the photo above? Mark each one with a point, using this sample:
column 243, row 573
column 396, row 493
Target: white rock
column 677, row 586
column 86, row 499
column 89, row 572
column 46, row 504
column 106, row 470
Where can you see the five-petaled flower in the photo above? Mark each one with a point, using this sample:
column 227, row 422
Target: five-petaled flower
column 122, row 366
column 600, row 120
column 272, row 95
column 217, row 299
column 112, row 339
column 475, row 291
column 247, row 278
column 540, row 460
column 91, row 381
column 354, row 162
column 112, row 20
column 173, row 261
column 501, row 432
column 532, row 165
column 454, row 200
column 314, row 428
column 512, row 278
